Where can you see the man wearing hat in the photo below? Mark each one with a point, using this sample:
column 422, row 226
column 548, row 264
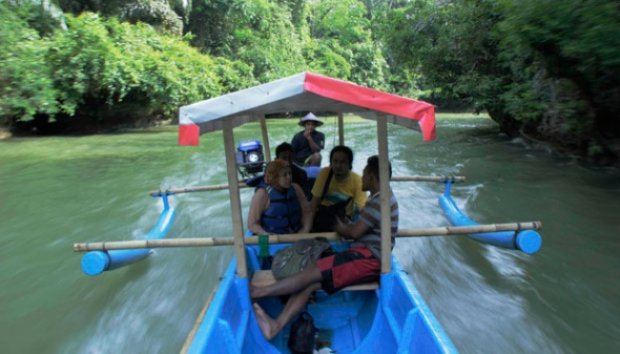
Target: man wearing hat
column 309, row 142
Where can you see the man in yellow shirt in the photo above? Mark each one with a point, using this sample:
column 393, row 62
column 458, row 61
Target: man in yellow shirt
column 337, row 191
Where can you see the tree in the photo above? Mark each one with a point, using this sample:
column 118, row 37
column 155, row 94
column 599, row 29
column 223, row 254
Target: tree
column 539, row 68
column 26, row 86
column 570, row 51
column 165, row 15
column 257, row 32
column 341, row 38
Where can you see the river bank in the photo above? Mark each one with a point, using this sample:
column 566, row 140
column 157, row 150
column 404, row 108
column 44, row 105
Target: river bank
column 34, row 129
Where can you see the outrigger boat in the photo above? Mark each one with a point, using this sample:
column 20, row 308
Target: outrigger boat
column 385, row 317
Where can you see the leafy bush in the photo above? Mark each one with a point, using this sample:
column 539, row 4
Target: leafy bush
column 26, row 87
column 341, row 43
column 575, row 47
column 258, row 33
column 102, row 68
column 542, row 67
column 108, row 61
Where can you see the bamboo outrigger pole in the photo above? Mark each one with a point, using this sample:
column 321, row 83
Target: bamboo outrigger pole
column 217, row 187
column 288, row 238
column 440, row 179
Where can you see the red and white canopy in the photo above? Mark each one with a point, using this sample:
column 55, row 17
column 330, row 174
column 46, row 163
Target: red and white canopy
column 303, row 92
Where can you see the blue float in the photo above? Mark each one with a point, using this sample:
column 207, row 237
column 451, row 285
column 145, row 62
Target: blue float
column 97, row 262
column 527, row 241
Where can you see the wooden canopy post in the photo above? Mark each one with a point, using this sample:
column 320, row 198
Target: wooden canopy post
column 235, row 200
column 384, row 189
column 340, row 129
column 263, row 129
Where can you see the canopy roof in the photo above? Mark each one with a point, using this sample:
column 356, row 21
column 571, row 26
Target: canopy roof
column 303, row 92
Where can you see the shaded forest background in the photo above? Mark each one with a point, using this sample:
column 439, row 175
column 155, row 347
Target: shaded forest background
column 546, row 70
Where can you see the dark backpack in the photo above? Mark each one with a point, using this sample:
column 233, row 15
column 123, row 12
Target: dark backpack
column 294, row 258
column 301, row 339
column 325, row 216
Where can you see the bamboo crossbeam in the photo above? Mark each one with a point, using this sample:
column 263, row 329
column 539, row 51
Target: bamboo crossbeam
column 428, row 179
column 217, row 187
column 288, row 238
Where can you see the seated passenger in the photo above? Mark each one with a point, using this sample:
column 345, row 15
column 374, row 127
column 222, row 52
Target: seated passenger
column 280, row 207
column 337, row 191
column 309, row 142
column 285, row 152
column 361, row 263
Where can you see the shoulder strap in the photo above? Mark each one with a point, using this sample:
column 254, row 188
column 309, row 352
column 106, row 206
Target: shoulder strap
column 327, row 181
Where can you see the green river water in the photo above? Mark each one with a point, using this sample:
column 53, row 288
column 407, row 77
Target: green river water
column 56, row 191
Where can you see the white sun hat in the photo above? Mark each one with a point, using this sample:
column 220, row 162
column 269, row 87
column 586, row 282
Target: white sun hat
column 310, row 117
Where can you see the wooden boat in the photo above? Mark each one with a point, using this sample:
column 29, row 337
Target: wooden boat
column 385, row 317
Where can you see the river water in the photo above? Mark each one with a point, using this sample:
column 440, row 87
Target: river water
column 60, row 190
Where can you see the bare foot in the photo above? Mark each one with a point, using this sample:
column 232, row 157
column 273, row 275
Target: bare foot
column 266, row 324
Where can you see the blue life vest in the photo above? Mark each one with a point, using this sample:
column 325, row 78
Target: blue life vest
column 284, row 213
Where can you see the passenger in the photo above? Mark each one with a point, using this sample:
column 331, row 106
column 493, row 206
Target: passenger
column 337, row 191
column 309, row 142
column 361, row 263
column 285, row 152
column 280, row 207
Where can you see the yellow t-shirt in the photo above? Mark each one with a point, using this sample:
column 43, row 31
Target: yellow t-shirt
column 340, row 191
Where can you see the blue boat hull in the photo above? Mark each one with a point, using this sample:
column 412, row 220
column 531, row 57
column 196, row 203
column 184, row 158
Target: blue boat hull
column 390, row 319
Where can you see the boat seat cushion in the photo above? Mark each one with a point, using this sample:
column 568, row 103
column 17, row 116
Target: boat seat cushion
column 265, row 277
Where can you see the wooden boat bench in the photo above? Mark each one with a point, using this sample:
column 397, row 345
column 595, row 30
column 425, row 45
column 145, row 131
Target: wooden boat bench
column 265, row 277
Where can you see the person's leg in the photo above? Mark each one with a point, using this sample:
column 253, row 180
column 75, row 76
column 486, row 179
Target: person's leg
column 314, row 159
column 270, row 327
column 289, row 285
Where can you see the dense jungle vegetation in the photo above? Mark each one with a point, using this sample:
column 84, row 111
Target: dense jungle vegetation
column 548, row 70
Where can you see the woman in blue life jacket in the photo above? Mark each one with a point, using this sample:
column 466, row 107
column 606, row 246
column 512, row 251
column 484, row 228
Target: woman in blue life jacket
column 279, row 206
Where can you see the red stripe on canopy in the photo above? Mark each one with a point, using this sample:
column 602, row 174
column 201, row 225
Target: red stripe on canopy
column 372, row 99
column 189, row 134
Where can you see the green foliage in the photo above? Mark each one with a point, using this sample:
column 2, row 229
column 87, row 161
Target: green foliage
column 258, row 33
column 282, row 37
column 99, row 65
column 575, row 47
column 324, row 59
column 266, row 38
column 547, row 68
column 103, row 67
column 450, row 46
column 158, row 14
column 25, row 81
column 341, row 43
column 342, row 19
column 544, row 67
column 109, row 60
column 43, row 16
